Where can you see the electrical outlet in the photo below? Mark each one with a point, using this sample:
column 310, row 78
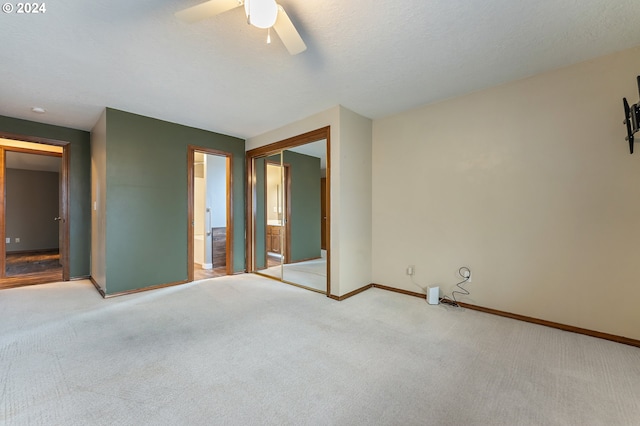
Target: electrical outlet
column 17, row 240
column 411, row 270
column 8, row 240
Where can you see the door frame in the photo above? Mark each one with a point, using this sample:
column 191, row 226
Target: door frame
column 323, row 208
column 273, row 148
column 64, row 193
column 191, row 150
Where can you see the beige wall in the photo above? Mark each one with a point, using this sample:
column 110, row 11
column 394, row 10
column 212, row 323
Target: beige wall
column 350, row 191
column 355, row 208
column 530, row 184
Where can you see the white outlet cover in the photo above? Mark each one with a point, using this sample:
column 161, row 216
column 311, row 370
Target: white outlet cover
column 8, row 240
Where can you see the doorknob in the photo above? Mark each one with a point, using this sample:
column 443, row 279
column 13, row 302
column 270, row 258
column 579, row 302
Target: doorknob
column 57, row 218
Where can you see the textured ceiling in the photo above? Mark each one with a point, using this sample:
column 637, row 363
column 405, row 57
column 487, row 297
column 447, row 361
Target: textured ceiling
column 376, row 58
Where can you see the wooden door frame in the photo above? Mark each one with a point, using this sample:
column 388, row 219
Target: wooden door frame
column 64, row 194
column 274, row 148
column 323, row 217
column 191, row 150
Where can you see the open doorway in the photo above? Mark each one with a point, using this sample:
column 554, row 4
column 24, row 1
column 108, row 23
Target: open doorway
column 33, row 213
column 210, row 235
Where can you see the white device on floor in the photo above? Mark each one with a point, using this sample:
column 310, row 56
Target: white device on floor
column 433, row 295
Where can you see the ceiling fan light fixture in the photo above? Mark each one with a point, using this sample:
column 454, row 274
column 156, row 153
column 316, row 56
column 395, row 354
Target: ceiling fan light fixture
column 261, row 13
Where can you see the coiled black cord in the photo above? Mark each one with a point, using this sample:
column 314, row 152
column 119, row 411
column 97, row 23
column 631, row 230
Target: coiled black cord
column 465, row 273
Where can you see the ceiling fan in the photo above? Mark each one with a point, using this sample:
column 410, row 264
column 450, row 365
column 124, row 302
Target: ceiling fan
column 260, row 13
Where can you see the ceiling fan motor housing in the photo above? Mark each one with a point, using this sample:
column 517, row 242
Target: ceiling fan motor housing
column 261, row 13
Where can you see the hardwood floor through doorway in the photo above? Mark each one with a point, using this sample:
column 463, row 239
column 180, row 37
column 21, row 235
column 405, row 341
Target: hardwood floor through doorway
column 32, row 262
column 28, row 268
column 203, row 274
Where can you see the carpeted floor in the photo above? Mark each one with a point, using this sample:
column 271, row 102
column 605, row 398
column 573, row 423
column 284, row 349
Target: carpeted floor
column 248, row 350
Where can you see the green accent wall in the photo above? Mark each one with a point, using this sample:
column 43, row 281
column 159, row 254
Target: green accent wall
column 305, row 205
column 261, row 215
column 146, row 199
column 79, row 185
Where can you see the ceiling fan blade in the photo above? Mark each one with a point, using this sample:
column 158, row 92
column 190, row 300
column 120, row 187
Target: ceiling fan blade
column 206, row 10
column 288, row 33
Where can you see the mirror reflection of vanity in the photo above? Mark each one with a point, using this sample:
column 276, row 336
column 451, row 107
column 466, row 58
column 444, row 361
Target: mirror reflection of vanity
column 274, row 233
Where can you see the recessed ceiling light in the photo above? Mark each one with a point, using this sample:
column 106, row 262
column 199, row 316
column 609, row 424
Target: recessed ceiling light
column 38, row 110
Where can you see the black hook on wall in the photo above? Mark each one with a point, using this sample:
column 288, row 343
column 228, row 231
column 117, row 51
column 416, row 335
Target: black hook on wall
column 631, row 118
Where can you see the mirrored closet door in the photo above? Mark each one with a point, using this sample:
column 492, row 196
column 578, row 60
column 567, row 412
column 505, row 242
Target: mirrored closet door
column 269, row 218
column 305, row 263
column 289, row 221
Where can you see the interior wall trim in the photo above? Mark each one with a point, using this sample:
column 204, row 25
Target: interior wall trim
column 302, row 139
column 302, row 286
column 29, row 279
column 587, row 332
column 81, row 278
column 352, row 293
column 551, row 324
column 557, row 325
column 34, row 139
column 401, row 291
column 97, row 286
column 137, row 290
